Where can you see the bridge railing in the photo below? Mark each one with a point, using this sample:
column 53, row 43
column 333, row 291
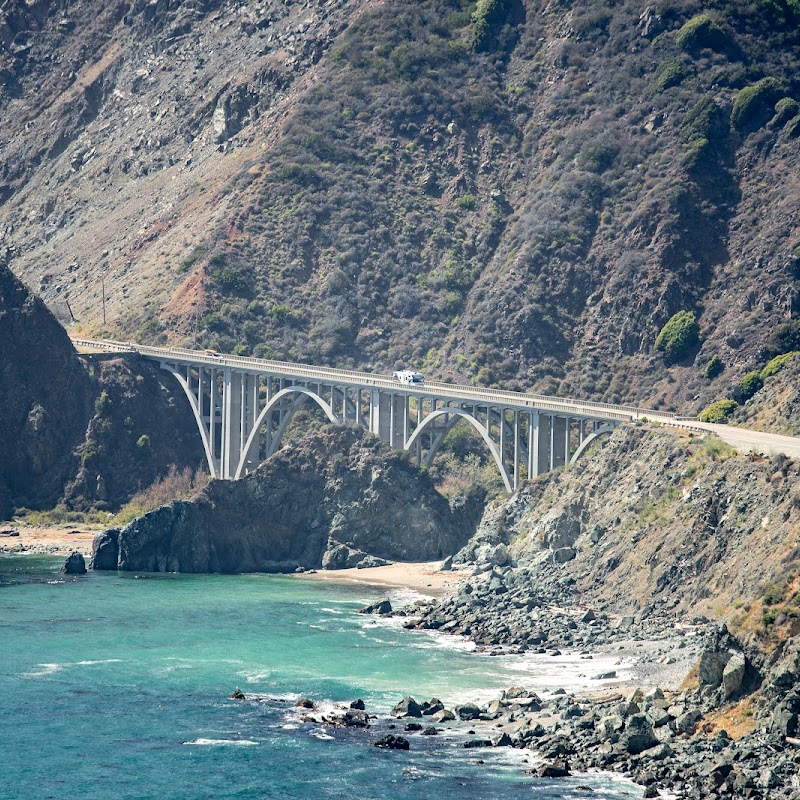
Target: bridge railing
column 440, row 389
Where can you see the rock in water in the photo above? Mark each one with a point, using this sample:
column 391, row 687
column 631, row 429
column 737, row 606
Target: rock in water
column 381, row 607
column 74, row 565
column 407, row 707
column 391, row 742
column 238, row 694
column 556, row 769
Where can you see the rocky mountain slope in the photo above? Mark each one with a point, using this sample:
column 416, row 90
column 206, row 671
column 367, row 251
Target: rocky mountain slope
column 45, row 398
column 656, row 520
column 335, row 498
column 518, row 192
column 80, row 431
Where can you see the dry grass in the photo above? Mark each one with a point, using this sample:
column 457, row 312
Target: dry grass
column 175, row 485
column 736, row 720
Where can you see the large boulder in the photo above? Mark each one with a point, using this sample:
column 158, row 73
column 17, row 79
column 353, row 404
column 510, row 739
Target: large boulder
column 638, row 735
column 74, row 565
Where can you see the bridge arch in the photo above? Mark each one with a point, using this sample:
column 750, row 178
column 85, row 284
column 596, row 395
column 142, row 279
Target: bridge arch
column 302, row 396
column 197, row 417
column 455, row 413
column 604, row 430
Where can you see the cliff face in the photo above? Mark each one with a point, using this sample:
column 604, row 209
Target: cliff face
column 656, row 520
column 45, row 397
column 331, row 499
column 140, row 426
column 88, row 431
column 521, row 196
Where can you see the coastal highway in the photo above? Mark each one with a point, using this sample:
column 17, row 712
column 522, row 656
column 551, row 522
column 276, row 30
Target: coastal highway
column 746, row 440
column 743, row 439
column 449, row 391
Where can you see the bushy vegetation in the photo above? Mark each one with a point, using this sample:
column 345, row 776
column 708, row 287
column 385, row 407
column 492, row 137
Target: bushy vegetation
column 678, row 336
column 177, row 484
column 775, row 365
column 488, row 15
column 670, row 73
column 786, row 337
column 749, row 385
column 699, row 32
column 718, row 411
column 714, row 367
column 754, row 104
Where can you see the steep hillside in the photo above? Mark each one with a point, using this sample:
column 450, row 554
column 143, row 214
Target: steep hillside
column 80, row 431
column 508, row 192
column 655, row 520
column 45, row 396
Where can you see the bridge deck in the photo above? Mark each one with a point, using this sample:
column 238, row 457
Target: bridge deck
column 577, row 408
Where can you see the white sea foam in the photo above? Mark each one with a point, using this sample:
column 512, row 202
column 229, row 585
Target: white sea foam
column 223, row 742
column 318, row 734
column 43, row 671
column 256, row 676
column 99, row 661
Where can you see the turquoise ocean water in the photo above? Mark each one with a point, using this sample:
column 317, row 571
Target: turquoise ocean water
column 115, row 687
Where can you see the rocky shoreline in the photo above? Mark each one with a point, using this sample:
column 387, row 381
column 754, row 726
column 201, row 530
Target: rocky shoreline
column 669, row 740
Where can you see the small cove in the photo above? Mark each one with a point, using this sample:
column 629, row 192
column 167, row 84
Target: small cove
column 117, row 685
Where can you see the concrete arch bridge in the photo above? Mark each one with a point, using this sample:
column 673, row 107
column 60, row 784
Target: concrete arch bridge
column 243, row 406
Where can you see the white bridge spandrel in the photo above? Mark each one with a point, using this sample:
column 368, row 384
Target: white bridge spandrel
column 242, row 407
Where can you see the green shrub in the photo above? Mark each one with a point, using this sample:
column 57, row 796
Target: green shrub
column 700, row 32
column 793, row 128
column 102, row 405
column 714, row 367
column 678, row 336
column 718, row 411
column 466, row 202
column 693, row 154
column 669, row 73
column 485, row 21
column 754, row 104
column 749, row 385
column 213, row 322
column 785, row 110
column 143, row 442
column 231, row 281
column 774, row 366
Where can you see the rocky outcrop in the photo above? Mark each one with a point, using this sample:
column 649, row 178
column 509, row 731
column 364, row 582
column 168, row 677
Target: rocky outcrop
column 74, row 565
column 141, row 426
column 45, row 400
column 656, row 520
column 337, row 489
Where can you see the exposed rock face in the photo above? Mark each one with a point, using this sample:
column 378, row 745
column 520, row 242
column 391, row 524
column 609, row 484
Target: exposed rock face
column 140, row 426
column 88, row 431
column 656, row 519
column 45, row 397
column 340, row 488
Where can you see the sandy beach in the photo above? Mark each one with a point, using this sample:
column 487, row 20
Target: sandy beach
column 60, row 540
column 423, row 577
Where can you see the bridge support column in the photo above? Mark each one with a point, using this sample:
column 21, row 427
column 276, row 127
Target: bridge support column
column 533, row 445
column 559, row 433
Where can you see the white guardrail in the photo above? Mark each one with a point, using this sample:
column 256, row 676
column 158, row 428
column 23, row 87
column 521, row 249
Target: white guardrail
column 350, row 377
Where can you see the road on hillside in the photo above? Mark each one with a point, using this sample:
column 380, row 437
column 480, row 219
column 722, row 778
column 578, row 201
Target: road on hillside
column 745, row 440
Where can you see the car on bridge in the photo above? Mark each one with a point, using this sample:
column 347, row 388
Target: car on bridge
column 212, row 353
column 408, row 376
